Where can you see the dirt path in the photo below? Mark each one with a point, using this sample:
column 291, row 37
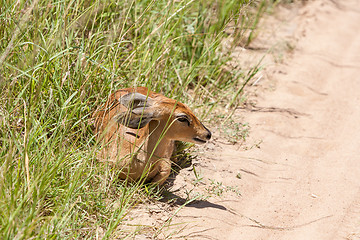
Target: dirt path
column 304, row 180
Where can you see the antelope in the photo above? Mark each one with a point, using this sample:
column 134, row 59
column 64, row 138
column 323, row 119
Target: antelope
column 138, row 129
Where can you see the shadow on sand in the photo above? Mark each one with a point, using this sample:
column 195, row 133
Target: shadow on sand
column 184, row 161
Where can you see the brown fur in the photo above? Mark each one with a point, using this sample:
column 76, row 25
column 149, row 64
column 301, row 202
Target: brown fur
column 145, row 152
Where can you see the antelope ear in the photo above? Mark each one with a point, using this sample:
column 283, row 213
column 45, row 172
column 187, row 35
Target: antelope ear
column 135, row 100
column 139, row 110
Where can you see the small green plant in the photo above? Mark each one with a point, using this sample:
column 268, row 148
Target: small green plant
column 218, row 189
column 198, row 177
column 232, row 130
column 237, row 132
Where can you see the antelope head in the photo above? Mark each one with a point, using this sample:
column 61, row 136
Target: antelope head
column 173, row 118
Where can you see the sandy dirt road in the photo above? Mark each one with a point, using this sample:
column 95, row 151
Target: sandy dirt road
column 304, row 180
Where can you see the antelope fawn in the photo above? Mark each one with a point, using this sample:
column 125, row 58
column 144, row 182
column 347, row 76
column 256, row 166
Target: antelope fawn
column 138, row 129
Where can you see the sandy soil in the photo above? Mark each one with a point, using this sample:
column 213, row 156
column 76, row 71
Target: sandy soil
column 299, row 172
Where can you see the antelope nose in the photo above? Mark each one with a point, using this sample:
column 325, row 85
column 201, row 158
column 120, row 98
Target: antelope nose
column 208, row 136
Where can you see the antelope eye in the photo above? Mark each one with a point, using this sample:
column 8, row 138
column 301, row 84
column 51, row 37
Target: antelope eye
column 183, row 119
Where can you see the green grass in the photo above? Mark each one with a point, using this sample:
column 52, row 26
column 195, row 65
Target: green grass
column 59, row 61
